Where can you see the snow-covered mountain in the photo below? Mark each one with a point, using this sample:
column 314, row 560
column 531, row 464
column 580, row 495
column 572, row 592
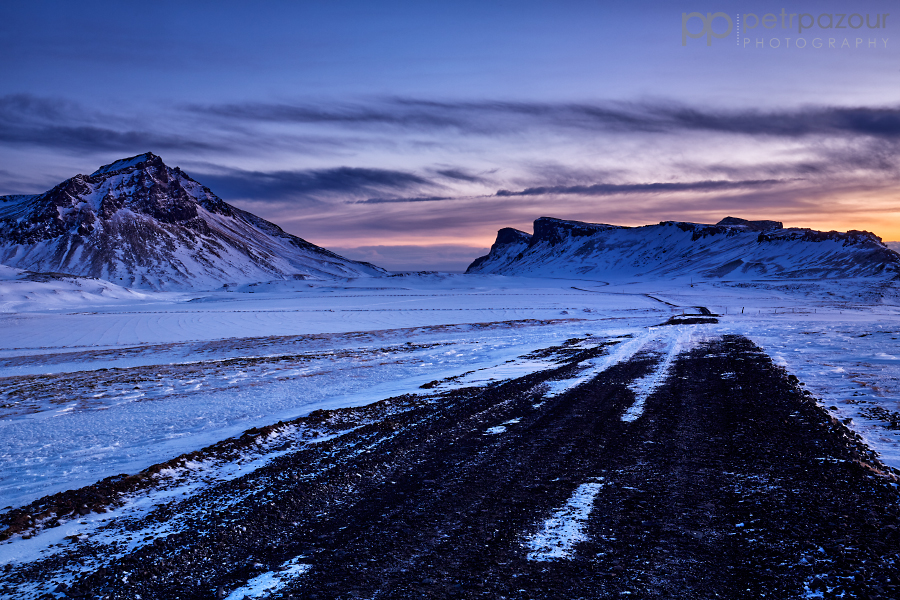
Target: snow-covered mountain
column 141, row 224
column 733, row 249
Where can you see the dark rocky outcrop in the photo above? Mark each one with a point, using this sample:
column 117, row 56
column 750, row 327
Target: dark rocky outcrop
column 751, row 225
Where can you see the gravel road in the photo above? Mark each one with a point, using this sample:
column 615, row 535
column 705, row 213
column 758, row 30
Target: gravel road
column 730, row 483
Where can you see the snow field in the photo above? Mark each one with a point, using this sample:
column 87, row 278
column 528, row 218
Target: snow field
column 309, row 309
column 81, row 439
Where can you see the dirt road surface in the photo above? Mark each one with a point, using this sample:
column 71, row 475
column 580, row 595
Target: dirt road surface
column 723, row 479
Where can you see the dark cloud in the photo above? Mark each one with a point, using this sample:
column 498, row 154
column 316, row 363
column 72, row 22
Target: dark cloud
column 460, row 175
column 277, row 185
column 96, row 139
column 411, row 199
column 877, row 122
column 559, row 174
column 511, row 117
column 611, row 189
column 769, row 170
column 54, row 123
column 28, row 107
column 352, row 114
column 867, row 155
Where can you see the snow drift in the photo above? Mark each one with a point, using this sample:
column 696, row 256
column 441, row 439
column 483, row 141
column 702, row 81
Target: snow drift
column 25, row 290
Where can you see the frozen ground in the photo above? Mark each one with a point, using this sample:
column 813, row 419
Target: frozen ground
column 112, row 383
column 107, row 383
column 89, row 391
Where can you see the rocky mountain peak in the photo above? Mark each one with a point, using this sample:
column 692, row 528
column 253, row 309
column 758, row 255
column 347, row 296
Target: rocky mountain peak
column 138, row 222
column 141, row 161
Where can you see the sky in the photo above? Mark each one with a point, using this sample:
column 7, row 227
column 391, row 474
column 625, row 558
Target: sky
column 408, row 133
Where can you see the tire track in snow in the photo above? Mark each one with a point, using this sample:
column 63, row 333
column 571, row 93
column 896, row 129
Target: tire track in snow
column 619, row 353
column 678, row 342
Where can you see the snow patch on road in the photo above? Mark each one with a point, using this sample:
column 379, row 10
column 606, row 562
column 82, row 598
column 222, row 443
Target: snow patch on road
column 558, row 535
column 678, row 341
column 271, row 582
column 502, row 427
column 621, row 352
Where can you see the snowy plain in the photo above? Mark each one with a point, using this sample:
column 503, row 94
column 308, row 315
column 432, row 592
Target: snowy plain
column 107, row 383
column 103, row 381
column 96, row 390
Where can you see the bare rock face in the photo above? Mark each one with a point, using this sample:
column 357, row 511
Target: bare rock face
column 733, row 249
column 751, row 225
column 142, row 224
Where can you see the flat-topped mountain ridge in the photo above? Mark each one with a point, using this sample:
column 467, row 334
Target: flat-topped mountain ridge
column 731, row 249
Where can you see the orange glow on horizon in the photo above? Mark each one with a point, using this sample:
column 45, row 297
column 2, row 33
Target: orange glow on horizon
column 475, row 223
column 885, row 226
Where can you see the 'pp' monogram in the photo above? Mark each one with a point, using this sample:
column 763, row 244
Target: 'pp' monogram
column 707, row 26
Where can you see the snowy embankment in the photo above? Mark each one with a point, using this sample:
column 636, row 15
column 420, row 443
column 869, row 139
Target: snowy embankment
column 22, row 290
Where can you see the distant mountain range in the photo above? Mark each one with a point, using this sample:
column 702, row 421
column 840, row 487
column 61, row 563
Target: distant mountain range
column 141, row 224
column 732, row 249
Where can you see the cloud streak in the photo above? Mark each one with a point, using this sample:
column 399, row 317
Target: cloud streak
column 343, row 181
column 492, row 117
column 603, row 189
column 59, row 124
column 612, row 189
column 460, row 175
column 402, row 200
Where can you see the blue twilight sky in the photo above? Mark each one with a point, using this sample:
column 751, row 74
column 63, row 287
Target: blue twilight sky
column 407, row 133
